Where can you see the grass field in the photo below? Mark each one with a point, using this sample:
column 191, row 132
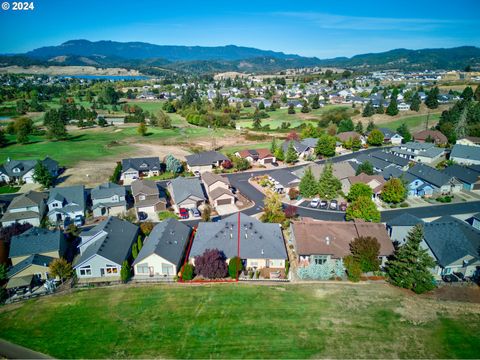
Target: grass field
column 413, row 122
column 244, row 321
column 234, row 149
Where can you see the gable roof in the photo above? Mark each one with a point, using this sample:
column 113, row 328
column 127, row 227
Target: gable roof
column 141, row 164
column 451, row 239
column 405, row 219
column 30, row 198
column 26, row 165
column 183, row 188
column 168, row 239
column 464, row 174
column 147, row 187
column 466, row 152
column 310, row 142
column 387, row 133
column 298, row 146
column 436, row 135
column 205, row 158
column 388, row 157
column 74, row 196
column 107, row 190
column 114, row 245
column 219, row 191
column 375, row 182
column 210, row 178
column 36, row 241
column 34, row 259
column 344, row 136
column 430, row 175
column 257, row 240
column 284, row 177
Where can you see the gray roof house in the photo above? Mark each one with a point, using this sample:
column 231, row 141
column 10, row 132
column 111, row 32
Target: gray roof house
column 467, row 175
column 66, row 202
column 136, row 168
column 26, row 208
column 465, row 154
column 104, row 248
column 108, row 199
column 33, row 265
column 388, row 157
column 399, row 227
column 442, row 182
column 303, row 149
column 204, row 161
column 261, row 244
column 22, row 170
column 186, row 192
column 454, row 245
column 163, row 250
column 283, row 179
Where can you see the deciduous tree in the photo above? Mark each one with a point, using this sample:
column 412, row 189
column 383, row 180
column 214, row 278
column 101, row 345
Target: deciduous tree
column 363, row 208
column 326, row 145
column 235, row 266
column 375, row 138
column 211, row 264
column 366, row 250
column 272, row 210
column 359, row 189
column 42, row 175
column 60, row 268
column 394, row 191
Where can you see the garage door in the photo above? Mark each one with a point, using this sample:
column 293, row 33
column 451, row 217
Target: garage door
column 267, row 161
column 476, row 186
column 224, row 201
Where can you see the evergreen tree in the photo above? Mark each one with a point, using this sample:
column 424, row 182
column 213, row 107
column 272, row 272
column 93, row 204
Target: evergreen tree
column 134, row 250
column 370, row 126
column 291, row 109
column 432, row 98
column 142, row 129
column 411, row 264
column 257, row 121
column 404, row 132
column 477, row 93
column 392, row 108
column 345, row 125
column 42, row 176
column 305, row 109
column 380, row 109
column 261, row 106
column 291, row 156
column 369, row 110
column 3, row 139
column 273, row 146
column 359, row 127
column 467, row 94
column 279, row 154
column 126, row 271
column 23, row 127
column 416, row 101
column 308, row 184
column 328, row 184
column 316, row 102
column 326, row 145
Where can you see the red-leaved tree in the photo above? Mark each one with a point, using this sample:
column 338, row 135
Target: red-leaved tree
column 292, row 135
column 211, row 264
column 290, row 211
column 227, row 164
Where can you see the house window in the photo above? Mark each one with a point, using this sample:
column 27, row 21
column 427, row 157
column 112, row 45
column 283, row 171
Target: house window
column 111, row 269
column 86, row 271
column 447, row 271
column 141, row 197
column 142, row 268
column 318, row 259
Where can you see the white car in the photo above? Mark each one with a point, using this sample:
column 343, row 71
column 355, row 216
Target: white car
column 314, row 203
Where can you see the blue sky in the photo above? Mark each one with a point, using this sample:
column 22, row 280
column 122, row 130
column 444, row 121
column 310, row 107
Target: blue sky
column 310, row 28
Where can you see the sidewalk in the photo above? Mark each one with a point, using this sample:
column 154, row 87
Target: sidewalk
column 9, row 350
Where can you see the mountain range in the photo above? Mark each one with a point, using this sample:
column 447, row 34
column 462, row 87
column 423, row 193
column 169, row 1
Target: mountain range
column 150, row 58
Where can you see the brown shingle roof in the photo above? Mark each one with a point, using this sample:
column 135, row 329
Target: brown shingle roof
column 376, row 182
column 434, row 134
column 210, row 178
column 217, row 192
column 147, row 187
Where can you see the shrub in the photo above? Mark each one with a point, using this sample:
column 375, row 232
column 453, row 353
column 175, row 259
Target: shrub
column 187, row 272
column 146, row 227
column 211, row 264
column 366, row 250
column 235, row 266
column 354, row 271
column 126, row 271
column 290, row 211
column 293, row 193
column 162, row 215
column 116, row 173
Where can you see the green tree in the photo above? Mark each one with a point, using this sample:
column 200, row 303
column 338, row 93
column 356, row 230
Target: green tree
column 345, row 125
column 326, row 145
column 42, row 176
column 356, row 143
column 272, row 210
column 126, row 271
column 305, row 109
column 273, row 146
column 108, row 95
column 392, row 108
column 23, row 128
column 139, row 243
column 467, row 94
column 404, row 132
column 235, row 266
column 359, row 189
column 369, row 110
column 353, row 268
column 316, row 102
column 291, row 109
column 328, row 184
column 375, row 138
column 363, row 208
column 477, row 93
column 257, row 121
column 359, row 127
column 142, row 129
column 366, row 250
column 432, row 98
column 3, row 273
column 279, row 155
column 380, row 109
column 60, row 268
column 3, row 139
column 416, row 102
column 101, row 121
column 134, row 250
column 365, row 167
column 187, row 271
column 291, row 156
column 164, row 121
column 370, row 126
column 308, row 184
column 394, row 191
column 410, row 267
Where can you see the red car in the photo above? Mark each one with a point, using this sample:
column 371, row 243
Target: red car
column 183, row 213
column 343, row 206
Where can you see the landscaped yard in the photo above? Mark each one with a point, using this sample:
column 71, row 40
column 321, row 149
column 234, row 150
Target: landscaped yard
column 245, row 321
column 8, row 189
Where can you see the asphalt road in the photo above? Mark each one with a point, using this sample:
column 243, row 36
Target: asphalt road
column 13, row 351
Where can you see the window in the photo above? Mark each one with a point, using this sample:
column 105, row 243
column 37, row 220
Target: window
column 167, row 269
column 141, row 197
column 447, row 271
column 111, row 269
column 142, row 268
column 86, row 271
column 318, row 259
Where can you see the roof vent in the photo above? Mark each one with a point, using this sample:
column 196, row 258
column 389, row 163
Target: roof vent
column 327, row 240
column 263, row 252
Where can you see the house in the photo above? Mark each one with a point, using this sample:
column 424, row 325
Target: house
column 302, row 149
column 465, row 154
column 137, row 168
column 204, row 161
column 350, row 135
column 283, row 180
column 32, row 252
column 186, row 193
column 261, row 156
column 399, row 227
column 375, row 182
column 469, row 141
column 147, row 198
column 440, row 182
column 419, row 152
column 108, row 199
column 454, row 245
column 163, row 250
column 403, row 106
column 261, row 244
column 321, row 241
column 433, row 136
column 66, row 202
column 476, row 221
column 104, row 248
column 468, row 176
column 26, row 208
column 218, row 189
column 21, row 171
column 389, row 157
column 379, row 165
column 391, row 137
column 341, row 170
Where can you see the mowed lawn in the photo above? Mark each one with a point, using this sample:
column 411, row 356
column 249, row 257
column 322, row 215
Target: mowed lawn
column 413, row 122
column 244, row 321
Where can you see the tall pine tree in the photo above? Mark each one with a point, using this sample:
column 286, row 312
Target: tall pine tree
column 308, row 184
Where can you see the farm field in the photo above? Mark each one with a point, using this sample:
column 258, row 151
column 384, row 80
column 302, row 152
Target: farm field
column 245, row 321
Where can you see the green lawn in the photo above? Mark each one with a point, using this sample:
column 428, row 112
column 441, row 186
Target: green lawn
column 234, row 149
column 8, row 189
column 244, row 321
column 413, row 122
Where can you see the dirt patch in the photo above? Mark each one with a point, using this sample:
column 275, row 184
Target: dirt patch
column 469, row 294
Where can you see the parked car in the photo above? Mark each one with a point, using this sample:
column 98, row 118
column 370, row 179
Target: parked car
column 324, row 204
column 183, row 213
column 142, row 216
column 78, row 221
column 195, row 212
column 314, row 203
column 196, row 173
column 343, row 206
column 460, row 275
column 450, row 278
column 334, row 204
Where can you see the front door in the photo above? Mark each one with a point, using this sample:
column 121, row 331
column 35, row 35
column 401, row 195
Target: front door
column 102, row 272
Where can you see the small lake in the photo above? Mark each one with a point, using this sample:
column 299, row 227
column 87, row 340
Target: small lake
column 5, row 118
column 106, row 77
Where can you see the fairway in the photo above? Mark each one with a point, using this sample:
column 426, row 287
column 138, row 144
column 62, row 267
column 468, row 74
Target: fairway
column 244, row 321
column 417, row 122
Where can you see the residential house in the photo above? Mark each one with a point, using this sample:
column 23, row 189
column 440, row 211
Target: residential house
column 204, row 161
column 260, row 156
column 104, row 248
column 378, row 164
column 375, row 182
column 66, row 202
column 147, row 197
column 388, row 157
column 454, row 245
column 26, row 208
column 32, row 252
column 283, row 180
column 138, row 168
column 303, row 149
column 261, row 244
column 467, row 175
column 433, row 136
column 419, row 152
column 108, row 199
column 163, row 251
column 465, row 154
column 391, row 137
column 321, row 241
column 399, row 227
column 403, row 106
column 21, row 171
column 438, row 181
column 218, row 189
column 186, row 193
column 469, row 141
